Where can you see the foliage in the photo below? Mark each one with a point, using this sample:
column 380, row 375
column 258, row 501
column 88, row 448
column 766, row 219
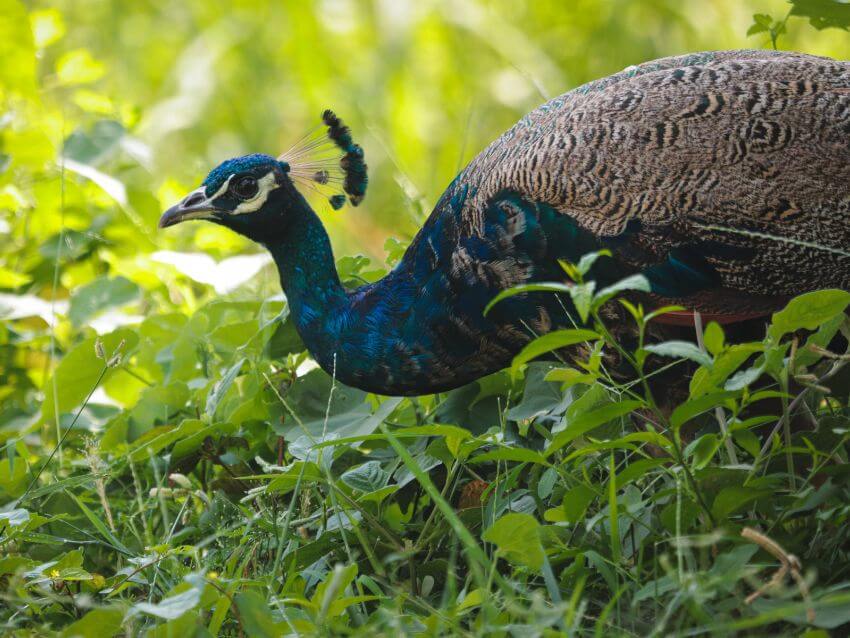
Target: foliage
column 174, row 464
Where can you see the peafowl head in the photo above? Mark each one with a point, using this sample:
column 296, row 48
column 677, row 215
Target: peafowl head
column 257, row 195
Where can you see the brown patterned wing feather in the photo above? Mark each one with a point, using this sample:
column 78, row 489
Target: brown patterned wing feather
column 743, row 155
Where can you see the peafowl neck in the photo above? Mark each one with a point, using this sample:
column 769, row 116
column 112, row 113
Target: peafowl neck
column 309, row 279
column 360, row 336
column 422, row 329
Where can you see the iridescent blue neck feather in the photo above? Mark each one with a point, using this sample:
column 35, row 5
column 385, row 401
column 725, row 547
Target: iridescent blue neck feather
column 421, row 329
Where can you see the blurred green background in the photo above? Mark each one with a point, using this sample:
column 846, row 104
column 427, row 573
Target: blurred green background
column 425, row 85
column 145, row 97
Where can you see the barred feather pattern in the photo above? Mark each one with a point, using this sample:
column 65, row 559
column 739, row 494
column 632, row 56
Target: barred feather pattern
column 740, row 159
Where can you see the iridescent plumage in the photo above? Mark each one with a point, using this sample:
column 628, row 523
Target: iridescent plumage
column 724, row 177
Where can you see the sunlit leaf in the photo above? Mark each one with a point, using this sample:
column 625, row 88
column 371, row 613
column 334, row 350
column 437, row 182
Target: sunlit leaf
column 17, row 72
column 714, row 338
column 12, row 279
column 79, row 67
column 635, row 282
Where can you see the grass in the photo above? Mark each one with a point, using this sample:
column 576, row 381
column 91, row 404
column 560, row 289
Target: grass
column 189, row 474
column 550, row 499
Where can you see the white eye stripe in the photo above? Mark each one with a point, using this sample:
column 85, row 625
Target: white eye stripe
column 266, row 184
column 221, row 189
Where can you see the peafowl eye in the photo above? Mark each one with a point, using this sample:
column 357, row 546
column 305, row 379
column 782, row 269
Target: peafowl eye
column 722, row 177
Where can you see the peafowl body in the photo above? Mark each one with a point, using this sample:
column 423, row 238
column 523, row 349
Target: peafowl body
column 723, row 177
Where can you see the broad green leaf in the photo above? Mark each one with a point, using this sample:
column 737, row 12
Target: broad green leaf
column 14, row 564
column 703, row 449
column 256, row 617
column 822, row 338
column 714, row 338
column 586, row 421
column 637, row 469
column 743, row 378
column 526, row 288
column 321, row 405
column 582, row 296
column 758, row 25
column 680, row 350
column 688, row 513
column 69, row 560
column 586, row 262
column 99, row 295
column 547, row 483
column 284, row 340
column 569, row 377
column 338, row 606
column 366, row 478
column 576, row 501
column 707, row 380
column 808, row 311
column 540, row 398
column 733, row 499
column 553, row 341
column 14, row 478
column 472, row 599
column 694, row 407
column 159, row 438
column 156, row 404
column 518, row 454
column 747, row 441
column 517, row 539
column 103, row 622
column 635, row 282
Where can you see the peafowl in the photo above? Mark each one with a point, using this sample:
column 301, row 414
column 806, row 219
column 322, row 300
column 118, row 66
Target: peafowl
column 723, row 177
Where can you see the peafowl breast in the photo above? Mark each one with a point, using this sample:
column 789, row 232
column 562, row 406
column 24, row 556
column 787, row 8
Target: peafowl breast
column 723, row 177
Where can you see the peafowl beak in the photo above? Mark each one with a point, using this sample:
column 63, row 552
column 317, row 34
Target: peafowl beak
column 195, row 205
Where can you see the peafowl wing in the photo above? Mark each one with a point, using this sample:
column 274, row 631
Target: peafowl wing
column 723, row 176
